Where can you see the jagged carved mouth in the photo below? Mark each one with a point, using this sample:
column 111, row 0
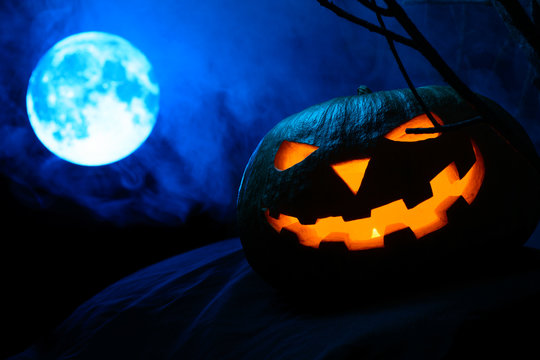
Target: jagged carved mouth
column 367, row 233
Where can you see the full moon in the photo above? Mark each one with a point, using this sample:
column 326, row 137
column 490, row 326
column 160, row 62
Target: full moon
column 92, row 99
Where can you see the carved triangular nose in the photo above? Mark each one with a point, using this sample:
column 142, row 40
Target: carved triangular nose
column 352, row 172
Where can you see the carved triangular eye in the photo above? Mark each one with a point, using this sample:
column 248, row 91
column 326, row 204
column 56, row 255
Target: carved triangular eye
column 352, row 172
column 421, row 121
column 291, row 153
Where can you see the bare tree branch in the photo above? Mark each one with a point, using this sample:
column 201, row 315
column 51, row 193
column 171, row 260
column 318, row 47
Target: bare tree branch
column 437, row 61
column 535, row 13
column 406, row 76
column 455, row 126
column 366, row 24
column 420, row 43
column 522, row 29
column 446, row 2
column 372, row 5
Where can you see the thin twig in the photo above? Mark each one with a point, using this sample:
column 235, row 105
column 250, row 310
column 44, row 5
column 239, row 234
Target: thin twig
column 522, row 29
column 446, row 2
column 372, row 5
column 406, row 75
column 447, row 127
column 430, row 53
column 446, row 72
column 514, row 15
column 366, row 24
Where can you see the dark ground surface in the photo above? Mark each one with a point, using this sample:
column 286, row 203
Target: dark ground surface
column 208, row 303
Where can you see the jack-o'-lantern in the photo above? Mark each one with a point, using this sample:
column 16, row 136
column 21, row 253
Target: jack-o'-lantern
column 341, row 188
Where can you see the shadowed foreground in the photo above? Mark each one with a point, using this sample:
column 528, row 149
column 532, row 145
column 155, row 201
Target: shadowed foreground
column 209, row 304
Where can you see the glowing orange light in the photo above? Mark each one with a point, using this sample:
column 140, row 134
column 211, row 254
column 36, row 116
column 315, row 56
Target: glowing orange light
column 352, row 172
column 421, row 121
column 424, row 218
column 291, row 153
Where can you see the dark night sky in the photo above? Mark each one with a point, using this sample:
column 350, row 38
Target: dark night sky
column 228, row 72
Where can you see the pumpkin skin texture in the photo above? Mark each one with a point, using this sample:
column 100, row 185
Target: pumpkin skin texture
column 344, row 161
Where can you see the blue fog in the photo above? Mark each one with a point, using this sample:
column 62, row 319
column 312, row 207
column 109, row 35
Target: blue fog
column 228, row 71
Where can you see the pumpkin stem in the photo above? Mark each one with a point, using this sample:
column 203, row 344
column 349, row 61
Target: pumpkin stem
column 363, row 89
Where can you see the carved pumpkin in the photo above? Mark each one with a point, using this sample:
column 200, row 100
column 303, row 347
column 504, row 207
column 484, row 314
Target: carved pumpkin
column 340, row 189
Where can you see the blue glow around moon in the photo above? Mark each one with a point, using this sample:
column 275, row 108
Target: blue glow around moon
column 92, row 99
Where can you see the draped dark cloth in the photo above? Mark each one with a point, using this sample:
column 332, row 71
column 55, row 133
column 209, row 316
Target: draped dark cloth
column 209, row 304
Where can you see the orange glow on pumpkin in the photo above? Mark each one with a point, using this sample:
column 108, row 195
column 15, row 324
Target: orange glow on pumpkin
column 291, row 153
column 421, row 121
column 367, row 233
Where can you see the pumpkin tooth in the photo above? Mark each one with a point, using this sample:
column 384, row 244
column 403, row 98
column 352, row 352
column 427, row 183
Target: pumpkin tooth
column 357, row 214
column 465, row 161
column 336, row 247
column 417, row 193
column 454, row 213
column 400, row 238
column 273, row 213
column 307, row 220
